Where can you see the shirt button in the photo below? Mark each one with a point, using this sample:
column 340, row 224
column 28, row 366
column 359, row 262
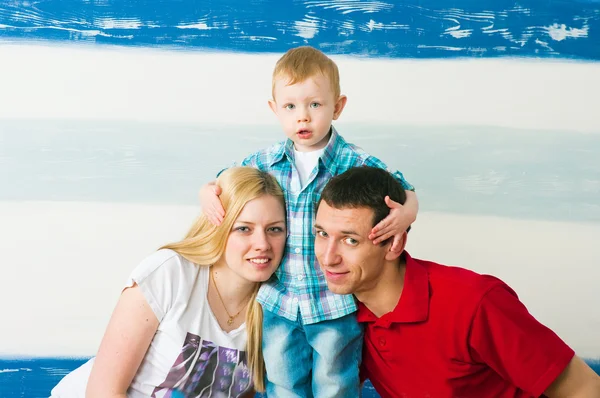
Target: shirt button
column 382, row 342
column 297, row 250
column 300, row 277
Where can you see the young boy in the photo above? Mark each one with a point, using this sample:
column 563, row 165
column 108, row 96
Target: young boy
column 311, row 340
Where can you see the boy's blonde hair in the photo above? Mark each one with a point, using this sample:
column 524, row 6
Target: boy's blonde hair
column 301, row 63
column 205, row 243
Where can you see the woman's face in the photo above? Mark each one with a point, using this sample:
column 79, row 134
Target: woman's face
column 257, row 239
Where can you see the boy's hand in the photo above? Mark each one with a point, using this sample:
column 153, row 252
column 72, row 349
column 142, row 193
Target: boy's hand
column 211, row 204
column 394, row 225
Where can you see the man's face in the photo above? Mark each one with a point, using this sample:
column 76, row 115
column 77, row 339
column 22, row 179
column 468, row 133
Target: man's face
column 350, row 261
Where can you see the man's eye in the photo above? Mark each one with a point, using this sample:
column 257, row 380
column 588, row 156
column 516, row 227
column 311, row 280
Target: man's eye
column 322, row 234
column 351, row 241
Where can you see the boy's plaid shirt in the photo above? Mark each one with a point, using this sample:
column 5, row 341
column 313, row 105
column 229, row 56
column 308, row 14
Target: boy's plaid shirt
column 299, row 284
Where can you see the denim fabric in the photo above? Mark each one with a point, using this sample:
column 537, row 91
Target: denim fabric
column 315, row 360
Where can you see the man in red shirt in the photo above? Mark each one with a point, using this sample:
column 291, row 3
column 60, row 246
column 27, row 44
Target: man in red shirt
column 432, row 330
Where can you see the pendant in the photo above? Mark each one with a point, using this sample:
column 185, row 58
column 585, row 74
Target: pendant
column 230, row 321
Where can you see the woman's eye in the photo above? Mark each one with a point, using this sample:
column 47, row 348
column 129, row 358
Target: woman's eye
column 276, row 230
column 242, row 229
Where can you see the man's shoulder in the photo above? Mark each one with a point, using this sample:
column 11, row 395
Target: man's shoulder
column 460, row 282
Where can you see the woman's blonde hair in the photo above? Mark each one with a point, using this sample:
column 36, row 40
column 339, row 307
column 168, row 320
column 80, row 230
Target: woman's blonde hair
column 205, row 243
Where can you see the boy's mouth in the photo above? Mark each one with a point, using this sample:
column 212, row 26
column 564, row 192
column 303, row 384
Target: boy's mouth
column 304, row 134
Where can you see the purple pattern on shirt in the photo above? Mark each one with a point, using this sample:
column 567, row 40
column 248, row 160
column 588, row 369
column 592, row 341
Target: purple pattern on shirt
column 204, row 369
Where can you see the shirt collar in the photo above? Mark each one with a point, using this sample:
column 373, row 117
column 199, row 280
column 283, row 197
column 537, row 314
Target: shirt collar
column 328, row 157
column 331, row 150
column 413, row 305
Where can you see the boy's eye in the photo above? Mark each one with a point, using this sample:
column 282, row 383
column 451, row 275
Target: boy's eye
column 289, row 106
column 315, row 105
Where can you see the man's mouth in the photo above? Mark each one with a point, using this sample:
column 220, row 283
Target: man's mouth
column 335, row 276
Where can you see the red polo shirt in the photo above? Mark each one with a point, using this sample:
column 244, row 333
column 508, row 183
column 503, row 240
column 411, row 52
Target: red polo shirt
column 455, row 333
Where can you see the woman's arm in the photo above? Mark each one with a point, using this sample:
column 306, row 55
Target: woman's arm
column 126, row 340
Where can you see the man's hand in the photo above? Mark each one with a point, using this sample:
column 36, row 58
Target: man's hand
column 211, row 204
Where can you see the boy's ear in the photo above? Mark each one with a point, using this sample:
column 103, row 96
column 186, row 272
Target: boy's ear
column 273, row 106
column 339, row 106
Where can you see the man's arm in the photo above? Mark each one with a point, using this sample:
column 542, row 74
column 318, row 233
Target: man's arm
column 508, row 339
column 578, row 380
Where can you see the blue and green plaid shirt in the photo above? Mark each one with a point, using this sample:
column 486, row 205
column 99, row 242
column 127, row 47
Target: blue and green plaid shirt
column 299, row 284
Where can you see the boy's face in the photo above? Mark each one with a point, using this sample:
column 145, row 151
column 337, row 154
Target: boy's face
column 306, row 110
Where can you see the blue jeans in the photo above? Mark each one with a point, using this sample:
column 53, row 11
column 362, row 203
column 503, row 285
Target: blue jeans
column 317, row 360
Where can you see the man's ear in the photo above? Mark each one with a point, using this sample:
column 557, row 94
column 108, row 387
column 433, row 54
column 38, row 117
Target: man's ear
column 393, row 255
column 273, row 106
column 339, row 106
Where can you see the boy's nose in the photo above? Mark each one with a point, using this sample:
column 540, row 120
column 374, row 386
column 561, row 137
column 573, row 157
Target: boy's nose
column 303, row 116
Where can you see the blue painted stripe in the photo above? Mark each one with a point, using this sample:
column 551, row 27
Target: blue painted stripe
column 35, row 377
column 413, row 29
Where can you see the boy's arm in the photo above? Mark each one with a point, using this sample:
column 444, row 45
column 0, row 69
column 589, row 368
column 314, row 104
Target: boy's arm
column 397, row 222
column 401, row 216
column 210, row 204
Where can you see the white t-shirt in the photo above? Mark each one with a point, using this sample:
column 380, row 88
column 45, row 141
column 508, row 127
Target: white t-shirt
column 190, row 355
column 305, row 162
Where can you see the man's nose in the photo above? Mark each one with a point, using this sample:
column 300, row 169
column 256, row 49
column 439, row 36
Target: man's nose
column 331, row 256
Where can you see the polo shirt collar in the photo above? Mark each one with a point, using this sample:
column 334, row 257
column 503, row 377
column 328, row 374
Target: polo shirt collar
column 328, row 157
column 413, row 305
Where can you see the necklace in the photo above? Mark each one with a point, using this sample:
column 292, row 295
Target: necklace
column 231, row 317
